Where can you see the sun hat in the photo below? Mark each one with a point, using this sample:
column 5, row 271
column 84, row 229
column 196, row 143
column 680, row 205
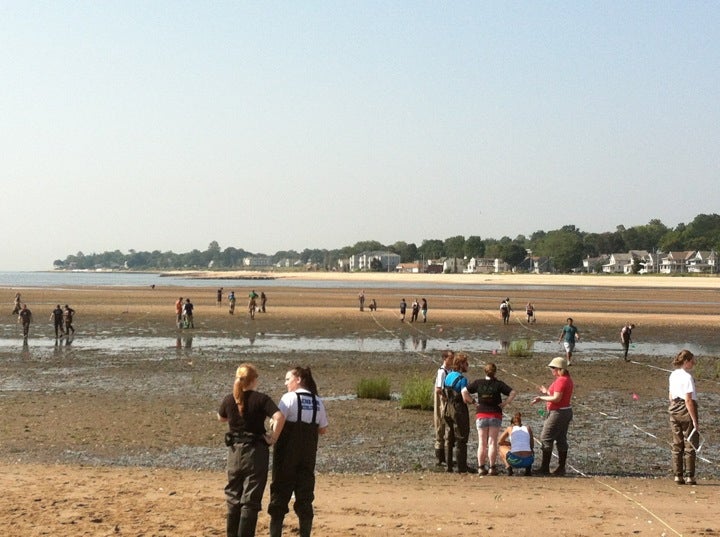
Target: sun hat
column 559, row 362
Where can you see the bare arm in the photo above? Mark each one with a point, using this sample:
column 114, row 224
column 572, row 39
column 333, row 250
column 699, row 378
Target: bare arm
column 279, row 421
column 554, row 398
column 466, row 396
column 509, row 399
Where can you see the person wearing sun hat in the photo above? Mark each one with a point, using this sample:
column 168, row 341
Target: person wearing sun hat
column 557, row 398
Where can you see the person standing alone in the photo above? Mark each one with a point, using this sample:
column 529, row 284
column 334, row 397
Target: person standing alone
column 626, row 339
column 568, row 337
column 684, row 423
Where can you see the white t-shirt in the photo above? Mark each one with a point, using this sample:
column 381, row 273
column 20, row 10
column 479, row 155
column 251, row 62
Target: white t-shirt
column 682, row 383
column 440, row 377
column 288, row 406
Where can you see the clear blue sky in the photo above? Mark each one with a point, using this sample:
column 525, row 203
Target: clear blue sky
column 283, row 125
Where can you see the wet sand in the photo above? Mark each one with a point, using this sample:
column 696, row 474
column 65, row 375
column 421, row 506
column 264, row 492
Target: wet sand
column 134, row 448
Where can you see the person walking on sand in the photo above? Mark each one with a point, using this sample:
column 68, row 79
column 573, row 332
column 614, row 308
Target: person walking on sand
column 569, row 336
column 219, row 296
column 295, row 453
column 16, row 305
column 423, row 309
column 231, row 302
column 626, row 339
column 25, row 318
column 361, row 299
column 439, row 400
column 252, row 303
column 414, row 310
column 530, row 312
column 187, row 311
column 57, row 318
column 505, row 310
column 68, row 314
column 179, row 311
column 557, row 399
column 403, row 309
column 248, row 453
column 263, row 301
column 684, row 423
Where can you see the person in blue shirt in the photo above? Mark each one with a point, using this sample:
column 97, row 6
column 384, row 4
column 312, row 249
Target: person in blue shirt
column 457, row 416
column 568, row 337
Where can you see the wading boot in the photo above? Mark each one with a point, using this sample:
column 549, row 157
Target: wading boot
column 305, row 526
column 562, row 459
column 276, row 526
column 449, row 458
column 440, row 456
column 461, row 457
column 545, row 464
column 248, row 522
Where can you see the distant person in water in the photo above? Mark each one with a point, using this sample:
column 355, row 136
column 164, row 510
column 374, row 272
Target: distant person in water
column 263, row 301
column 179, row 311
column 25, row 318
column 57, row 318
column 626, row 339
column 188, row 309
column 68, row 314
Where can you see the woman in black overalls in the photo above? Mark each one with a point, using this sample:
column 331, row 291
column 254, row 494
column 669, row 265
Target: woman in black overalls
column 295, row 453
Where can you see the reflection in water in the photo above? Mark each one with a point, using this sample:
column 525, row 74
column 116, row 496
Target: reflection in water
column 270, row 343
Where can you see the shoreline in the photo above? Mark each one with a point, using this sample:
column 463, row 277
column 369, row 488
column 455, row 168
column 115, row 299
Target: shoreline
column 590, row 280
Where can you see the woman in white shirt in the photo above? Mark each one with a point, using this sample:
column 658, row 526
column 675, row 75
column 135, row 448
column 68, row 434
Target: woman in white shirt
column 517, row 446
column 684, row 425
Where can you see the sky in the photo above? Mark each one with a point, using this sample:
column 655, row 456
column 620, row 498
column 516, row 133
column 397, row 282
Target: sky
column 165, row 125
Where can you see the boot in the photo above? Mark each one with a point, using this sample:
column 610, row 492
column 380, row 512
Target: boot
column 449, row 458
column 690, row 468
column 276, row 527
column 440, row 456
column 562, row 459
column 305, row 526
column 545, row 464
column 233, row 524
column 248, row 523
column 461, row 457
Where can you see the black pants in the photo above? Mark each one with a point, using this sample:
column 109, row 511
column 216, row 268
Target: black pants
column 247, row 470
column 293, row 471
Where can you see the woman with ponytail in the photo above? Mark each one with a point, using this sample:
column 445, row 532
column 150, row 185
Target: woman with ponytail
column 248, row 456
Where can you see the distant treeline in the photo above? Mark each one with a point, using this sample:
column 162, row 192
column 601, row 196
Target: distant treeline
column 567, row 247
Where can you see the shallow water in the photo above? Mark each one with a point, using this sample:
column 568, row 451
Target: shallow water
column 274, row 343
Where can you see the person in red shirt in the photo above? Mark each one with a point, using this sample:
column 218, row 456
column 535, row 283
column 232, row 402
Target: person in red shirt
column 559, row 415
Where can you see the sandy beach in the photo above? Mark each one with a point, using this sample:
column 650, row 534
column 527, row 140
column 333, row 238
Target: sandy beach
column 114, row 433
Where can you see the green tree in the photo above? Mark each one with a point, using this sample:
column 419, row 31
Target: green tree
column 474, row 247
column 454, row 246
column 564, row 246
column 432, row 249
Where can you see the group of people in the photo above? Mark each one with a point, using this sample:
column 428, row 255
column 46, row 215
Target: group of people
column 416, row 308
column 184, row 313
column 62, row 318
column 252, row 302
column 297, row 421
column 515, row 445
